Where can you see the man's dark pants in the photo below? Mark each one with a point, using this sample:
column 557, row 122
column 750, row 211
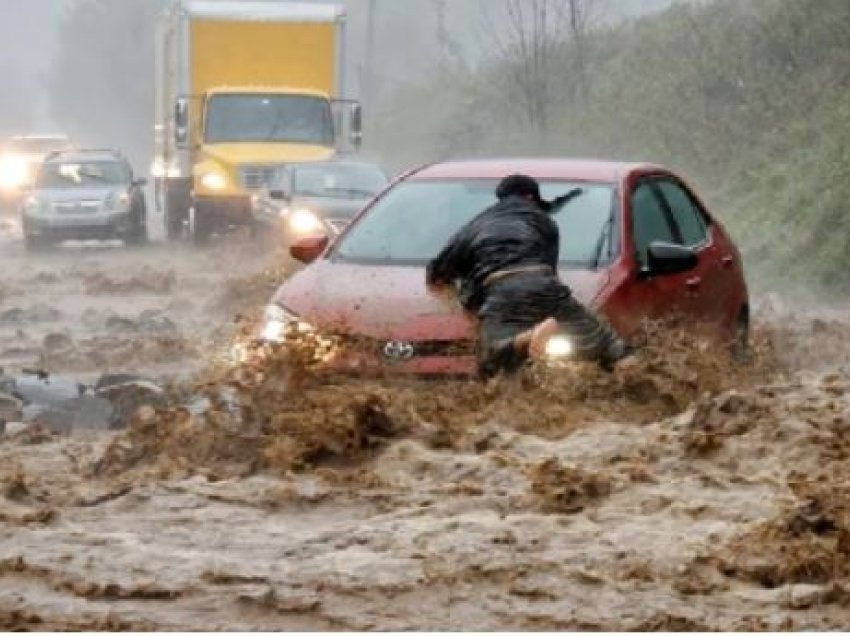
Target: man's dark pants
column 520, row 303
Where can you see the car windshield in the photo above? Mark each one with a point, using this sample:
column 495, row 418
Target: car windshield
column 269, row 118
column 82, row 174
column 412, row 222
column 338, row 181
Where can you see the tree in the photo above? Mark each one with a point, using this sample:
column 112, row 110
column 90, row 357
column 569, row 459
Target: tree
column 536, row 32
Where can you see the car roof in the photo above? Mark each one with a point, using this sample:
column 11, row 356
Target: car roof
column 40, row 138
column 85, row 155
column 539, row 168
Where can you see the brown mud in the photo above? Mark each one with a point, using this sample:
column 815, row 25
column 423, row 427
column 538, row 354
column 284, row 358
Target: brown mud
column 684, row 493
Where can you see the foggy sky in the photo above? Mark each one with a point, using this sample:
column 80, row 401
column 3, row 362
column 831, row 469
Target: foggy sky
column 405, row 39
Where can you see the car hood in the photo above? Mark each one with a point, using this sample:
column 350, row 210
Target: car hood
column 60, row 195
column 391, row 303
column 331, row 208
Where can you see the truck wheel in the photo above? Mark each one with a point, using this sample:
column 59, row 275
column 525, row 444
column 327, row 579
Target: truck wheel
column 200, row 226
column 177, row 204
column 175, row 222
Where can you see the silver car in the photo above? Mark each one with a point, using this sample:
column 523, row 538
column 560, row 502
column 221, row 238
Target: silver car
column 81, row 195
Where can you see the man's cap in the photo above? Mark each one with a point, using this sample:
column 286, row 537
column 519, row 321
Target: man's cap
column 519, row 185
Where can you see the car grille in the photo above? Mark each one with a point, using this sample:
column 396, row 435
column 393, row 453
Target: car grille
column 388, row 350
column 77, row 207
column 257, row 177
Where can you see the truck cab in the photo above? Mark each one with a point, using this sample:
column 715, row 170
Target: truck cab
column 243, row 89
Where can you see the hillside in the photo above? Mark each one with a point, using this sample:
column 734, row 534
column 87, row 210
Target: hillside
column 748, row 100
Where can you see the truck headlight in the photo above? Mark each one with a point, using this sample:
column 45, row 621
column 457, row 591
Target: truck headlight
column 214, row 181
column 304, row 221
column 277, row 321
column 559, row 347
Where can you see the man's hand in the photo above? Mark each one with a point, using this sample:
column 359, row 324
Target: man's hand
column 441, row 290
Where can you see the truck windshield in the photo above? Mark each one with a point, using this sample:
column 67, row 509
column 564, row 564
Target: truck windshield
column 269, row 118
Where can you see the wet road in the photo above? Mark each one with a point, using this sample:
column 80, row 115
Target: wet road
column 702, row 496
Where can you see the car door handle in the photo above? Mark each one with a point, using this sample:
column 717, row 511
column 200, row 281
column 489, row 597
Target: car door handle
column 727, row 261
column 693, row 283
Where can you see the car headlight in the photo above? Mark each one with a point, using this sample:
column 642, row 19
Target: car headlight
column 214, row 181
column 559, row 347
column 277, row 321
column 14, row 172
column 304, row 221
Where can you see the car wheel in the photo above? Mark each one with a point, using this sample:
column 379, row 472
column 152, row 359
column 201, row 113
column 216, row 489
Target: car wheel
column 741, row 344
column 138, row 235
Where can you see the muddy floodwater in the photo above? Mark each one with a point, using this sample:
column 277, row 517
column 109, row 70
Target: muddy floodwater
column 685, row 493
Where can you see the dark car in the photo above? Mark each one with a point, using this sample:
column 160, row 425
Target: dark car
column 322, row 197
column 637, row 243
column 85, row 194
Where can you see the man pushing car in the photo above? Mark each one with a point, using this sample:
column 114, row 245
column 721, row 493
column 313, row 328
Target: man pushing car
column 506, row 263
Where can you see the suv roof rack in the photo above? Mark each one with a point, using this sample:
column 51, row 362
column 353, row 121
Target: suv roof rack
column 84, row 151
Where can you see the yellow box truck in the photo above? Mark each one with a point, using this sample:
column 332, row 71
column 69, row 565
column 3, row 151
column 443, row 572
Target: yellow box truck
column 243, row 87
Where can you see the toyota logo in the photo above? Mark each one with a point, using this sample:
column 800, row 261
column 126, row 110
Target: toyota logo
column 399, row 351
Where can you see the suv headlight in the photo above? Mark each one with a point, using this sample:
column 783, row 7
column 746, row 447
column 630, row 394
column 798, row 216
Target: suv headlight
column 277, row 321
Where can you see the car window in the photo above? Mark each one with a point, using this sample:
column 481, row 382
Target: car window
column 585, row 225
column 649, row 221
column 688, row 216
column 338, row 181
column 82, row 174
column 413, row 221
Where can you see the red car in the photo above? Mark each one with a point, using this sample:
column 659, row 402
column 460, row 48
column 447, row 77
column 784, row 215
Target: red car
column 637, row 243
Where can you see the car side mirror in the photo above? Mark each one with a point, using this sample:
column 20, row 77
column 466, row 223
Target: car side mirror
column 668, row 258
column 307, row 250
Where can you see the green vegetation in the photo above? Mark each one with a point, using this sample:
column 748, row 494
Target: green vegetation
column 750, row 100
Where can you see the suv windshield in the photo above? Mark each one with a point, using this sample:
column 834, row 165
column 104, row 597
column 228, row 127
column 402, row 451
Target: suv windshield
column 274, row 118
column 82, row 174
column 337, row 181
column 413, row 221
